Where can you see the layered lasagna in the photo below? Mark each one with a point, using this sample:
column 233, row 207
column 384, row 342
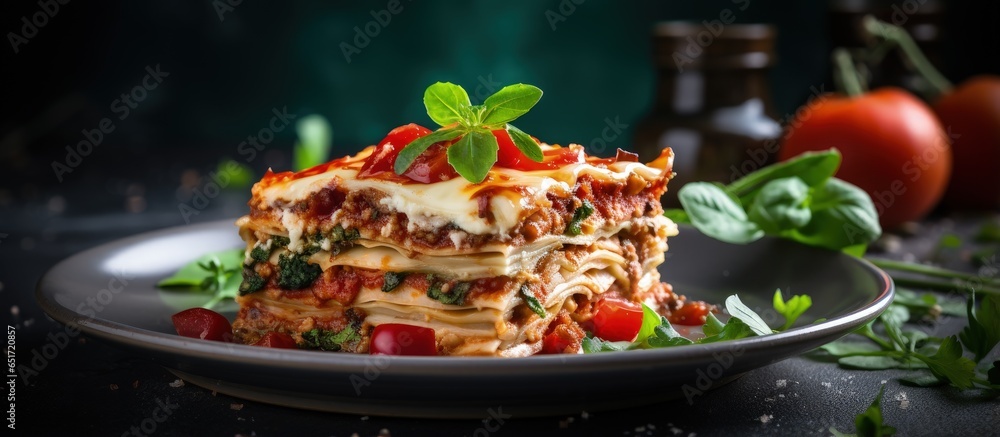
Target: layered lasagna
column 493, row 268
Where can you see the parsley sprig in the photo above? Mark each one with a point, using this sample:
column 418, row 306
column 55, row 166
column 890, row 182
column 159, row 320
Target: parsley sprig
column 896, row 346
column 869, row 423
column 475, row 152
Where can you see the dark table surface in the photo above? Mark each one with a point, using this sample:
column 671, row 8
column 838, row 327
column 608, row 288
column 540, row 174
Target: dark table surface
column 93, row 388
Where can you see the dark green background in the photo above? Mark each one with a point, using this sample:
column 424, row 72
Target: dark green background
column 226, row 76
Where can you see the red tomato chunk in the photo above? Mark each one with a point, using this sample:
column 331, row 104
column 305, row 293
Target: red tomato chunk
column 400, row 339
column 203, row 324
column 278, row 340
column 617, row 320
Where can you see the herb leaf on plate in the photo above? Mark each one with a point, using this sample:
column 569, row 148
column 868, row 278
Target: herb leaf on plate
column 215, row 272
column 739, row 310
column 791, row 309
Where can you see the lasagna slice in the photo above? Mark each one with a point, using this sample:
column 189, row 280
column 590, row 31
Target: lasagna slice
column 511, row 266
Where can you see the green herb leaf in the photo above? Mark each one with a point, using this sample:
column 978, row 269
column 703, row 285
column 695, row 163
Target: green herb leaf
column 895, row 316
column 593, row 345
column 454, row 296
column 650, row 320
column 781, row 205
column 843, row 348
column 329, row 340
column 715, row 214
column 814, row 168
column 792, row 308
column 192, row 274
column 869, row 423
column 739, row 310
column 240, row 175
column 842, row 216
column 712, row 326
column 922, row 380
column 983, row 331
column 446, row 103
column 252, row 282
column 734, row 329
column 315, row 139
column 677, row 215
column 391, row 280
column 410, row 153
column 525, row 143
column 989, row 233
column 579, row 215
column 509, row 103
column 949, row 364
column 474, row 154
column 664, row 335
column 295, row 272
column 864, row 362
column 532, row 301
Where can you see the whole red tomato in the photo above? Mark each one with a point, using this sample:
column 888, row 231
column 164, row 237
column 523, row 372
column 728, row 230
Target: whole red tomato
column 893, row 147
column 971, row 115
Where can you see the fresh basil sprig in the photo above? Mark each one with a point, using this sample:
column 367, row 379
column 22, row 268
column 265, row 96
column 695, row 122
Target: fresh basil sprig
column 475, row 152
column 797, row 199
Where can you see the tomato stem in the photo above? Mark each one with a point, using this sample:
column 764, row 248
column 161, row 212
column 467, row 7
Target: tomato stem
column 846, row 74
column 898, row 37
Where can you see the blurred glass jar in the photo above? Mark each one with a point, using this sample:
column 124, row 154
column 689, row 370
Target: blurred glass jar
column 713, row 103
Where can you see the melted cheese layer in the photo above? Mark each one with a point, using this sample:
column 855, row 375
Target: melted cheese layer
column 431, row 206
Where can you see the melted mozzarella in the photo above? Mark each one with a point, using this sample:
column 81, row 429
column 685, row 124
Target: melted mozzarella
column 431, row 206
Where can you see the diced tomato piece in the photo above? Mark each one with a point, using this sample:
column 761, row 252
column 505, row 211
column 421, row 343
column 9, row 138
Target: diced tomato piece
column 384, row 156
column 617, row 320
column 278, row 340
column 554, row 343
column 509, row 156
column 401, row 339
column 204, row 324
column 432, row 165
column 692, row 313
